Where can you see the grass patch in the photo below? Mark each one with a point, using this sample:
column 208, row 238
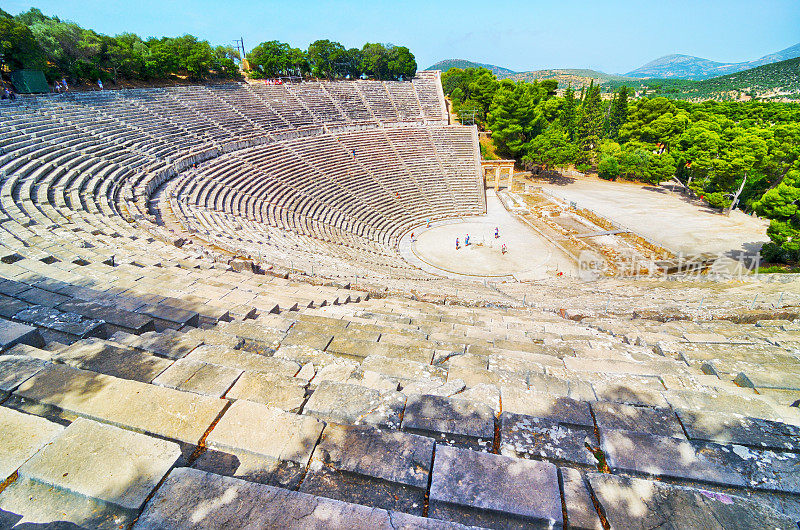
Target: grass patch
column 772, row 269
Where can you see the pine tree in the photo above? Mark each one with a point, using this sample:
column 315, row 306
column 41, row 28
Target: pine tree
column 618, row 113
column 568, row 113
column 590, row 124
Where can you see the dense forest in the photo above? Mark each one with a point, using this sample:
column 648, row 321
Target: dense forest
column 713, row 148
column 63, row 49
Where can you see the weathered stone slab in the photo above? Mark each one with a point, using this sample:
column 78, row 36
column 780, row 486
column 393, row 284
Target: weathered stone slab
column 360, row 349
column 373, row 380
column 266, row 431
column 107, row 358
column 16, row 369
column 403, row 369
column 632, row 503
column 171, row 316
column 169, row 343
column 191, row 499
column 545, row 439
column 690, row 400
column 451, row 421
column 198, row 377
column 495, row 491
column 542, row 405
column 646, row 392
column 338, row 372
column 306, row 354
column 761, row 469
column 661, row 456
column 12, row 333
column 243, row 360
column 581, row 513
column 564, row 386
column 137, row 406
column 92, row 475
column 21, row 436
column 760, row 378
column 283, row 392
column 215, row 337
column 618, row 417
column 355, row 404
column 256, row 336
column 434, row 388
column 315, row 340
column 384, row 469
column 69, row 323
column 733, row 428
column 241, row 464
column 120, row 318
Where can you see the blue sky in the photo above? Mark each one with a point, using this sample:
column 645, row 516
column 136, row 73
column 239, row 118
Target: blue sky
column 614, row 36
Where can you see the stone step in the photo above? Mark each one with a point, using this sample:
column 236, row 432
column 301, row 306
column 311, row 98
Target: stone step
column 12, row 333
column 178, row 503
column 64, row 391
column 105, row 357
column 92, row 475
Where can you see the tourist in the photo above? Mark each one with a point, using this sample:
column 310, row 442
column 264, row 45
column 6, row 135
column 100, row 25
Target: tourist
column 496, row 232
column 503, row 249
column 57, row 87
column 457, row 244
column 466, row 241
column 412, row 237
column 6, row 94
column 100, row 84
column 64, row 84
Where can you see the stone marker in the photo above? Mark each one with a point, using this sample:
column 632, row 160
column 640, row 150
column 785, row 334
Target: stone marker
column 632, row 503
column 266, row 431
column 483, row 489
column 385, row 469
column 195, row 499
column 106, row 465
column 451, row 421
column 21, row 435
column 539, row 438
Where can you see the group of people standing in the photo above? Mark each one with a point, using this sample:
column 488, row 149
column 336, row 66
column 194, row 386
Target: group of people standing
column 503, row 247
column 8, row 94
column 62, row 86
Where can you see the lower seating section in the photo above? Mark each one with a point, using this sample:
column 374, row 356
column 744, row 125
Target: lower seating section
column 398, row 413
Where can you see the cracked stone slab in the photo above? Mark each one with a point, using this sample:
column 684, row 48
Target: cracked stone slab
column 251, row 467
column 69, row 323
column 283, row 392
column 733, row 428
column 255, row 336
column 581, row 513
column 661, row 456
column 105, row 357
column 194, row 499
column 169, row 343
column 243, row 360
column 543, row 405
column 266, row 431
column 483, row 489
column 633, row 503
column 403, row 369
column 355, row 404
column 21, row 436
column 380, row 468
column 545, row 439
column 137, row 406
column 619, row 417
column 93, row 463
column 198, row 377
column 451, row 421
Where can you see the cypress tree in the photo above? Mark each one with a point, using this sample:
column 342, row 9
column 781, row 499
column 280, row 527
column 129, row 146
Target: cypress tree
column 618, row 113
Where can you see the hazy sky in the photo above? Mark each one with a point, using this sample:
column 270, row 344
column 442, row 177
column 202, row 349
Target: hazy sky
column 614, row 36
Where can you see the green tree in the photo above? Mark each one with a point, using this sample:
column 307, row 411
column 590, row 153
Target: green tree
column 402, row 64
column 618, row 112
column 569, row 112
column 18, row 47
column 324, row 56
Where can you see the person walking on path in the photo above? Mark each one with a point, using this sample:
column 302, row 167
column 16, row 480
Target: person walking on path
column 457, row 245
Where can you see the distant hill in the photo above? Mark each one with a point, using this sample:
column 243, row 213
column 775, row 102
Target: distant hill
column 690, row 67
column 570, row 76
column 773, row 81
column 463, row 63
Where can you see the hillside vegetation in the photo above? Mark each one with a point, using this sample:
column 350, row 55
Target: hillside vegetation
column 774, row 81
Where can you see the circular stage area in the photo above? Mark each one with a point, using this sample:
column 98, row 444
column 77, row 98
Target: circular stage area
column 528, row 256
